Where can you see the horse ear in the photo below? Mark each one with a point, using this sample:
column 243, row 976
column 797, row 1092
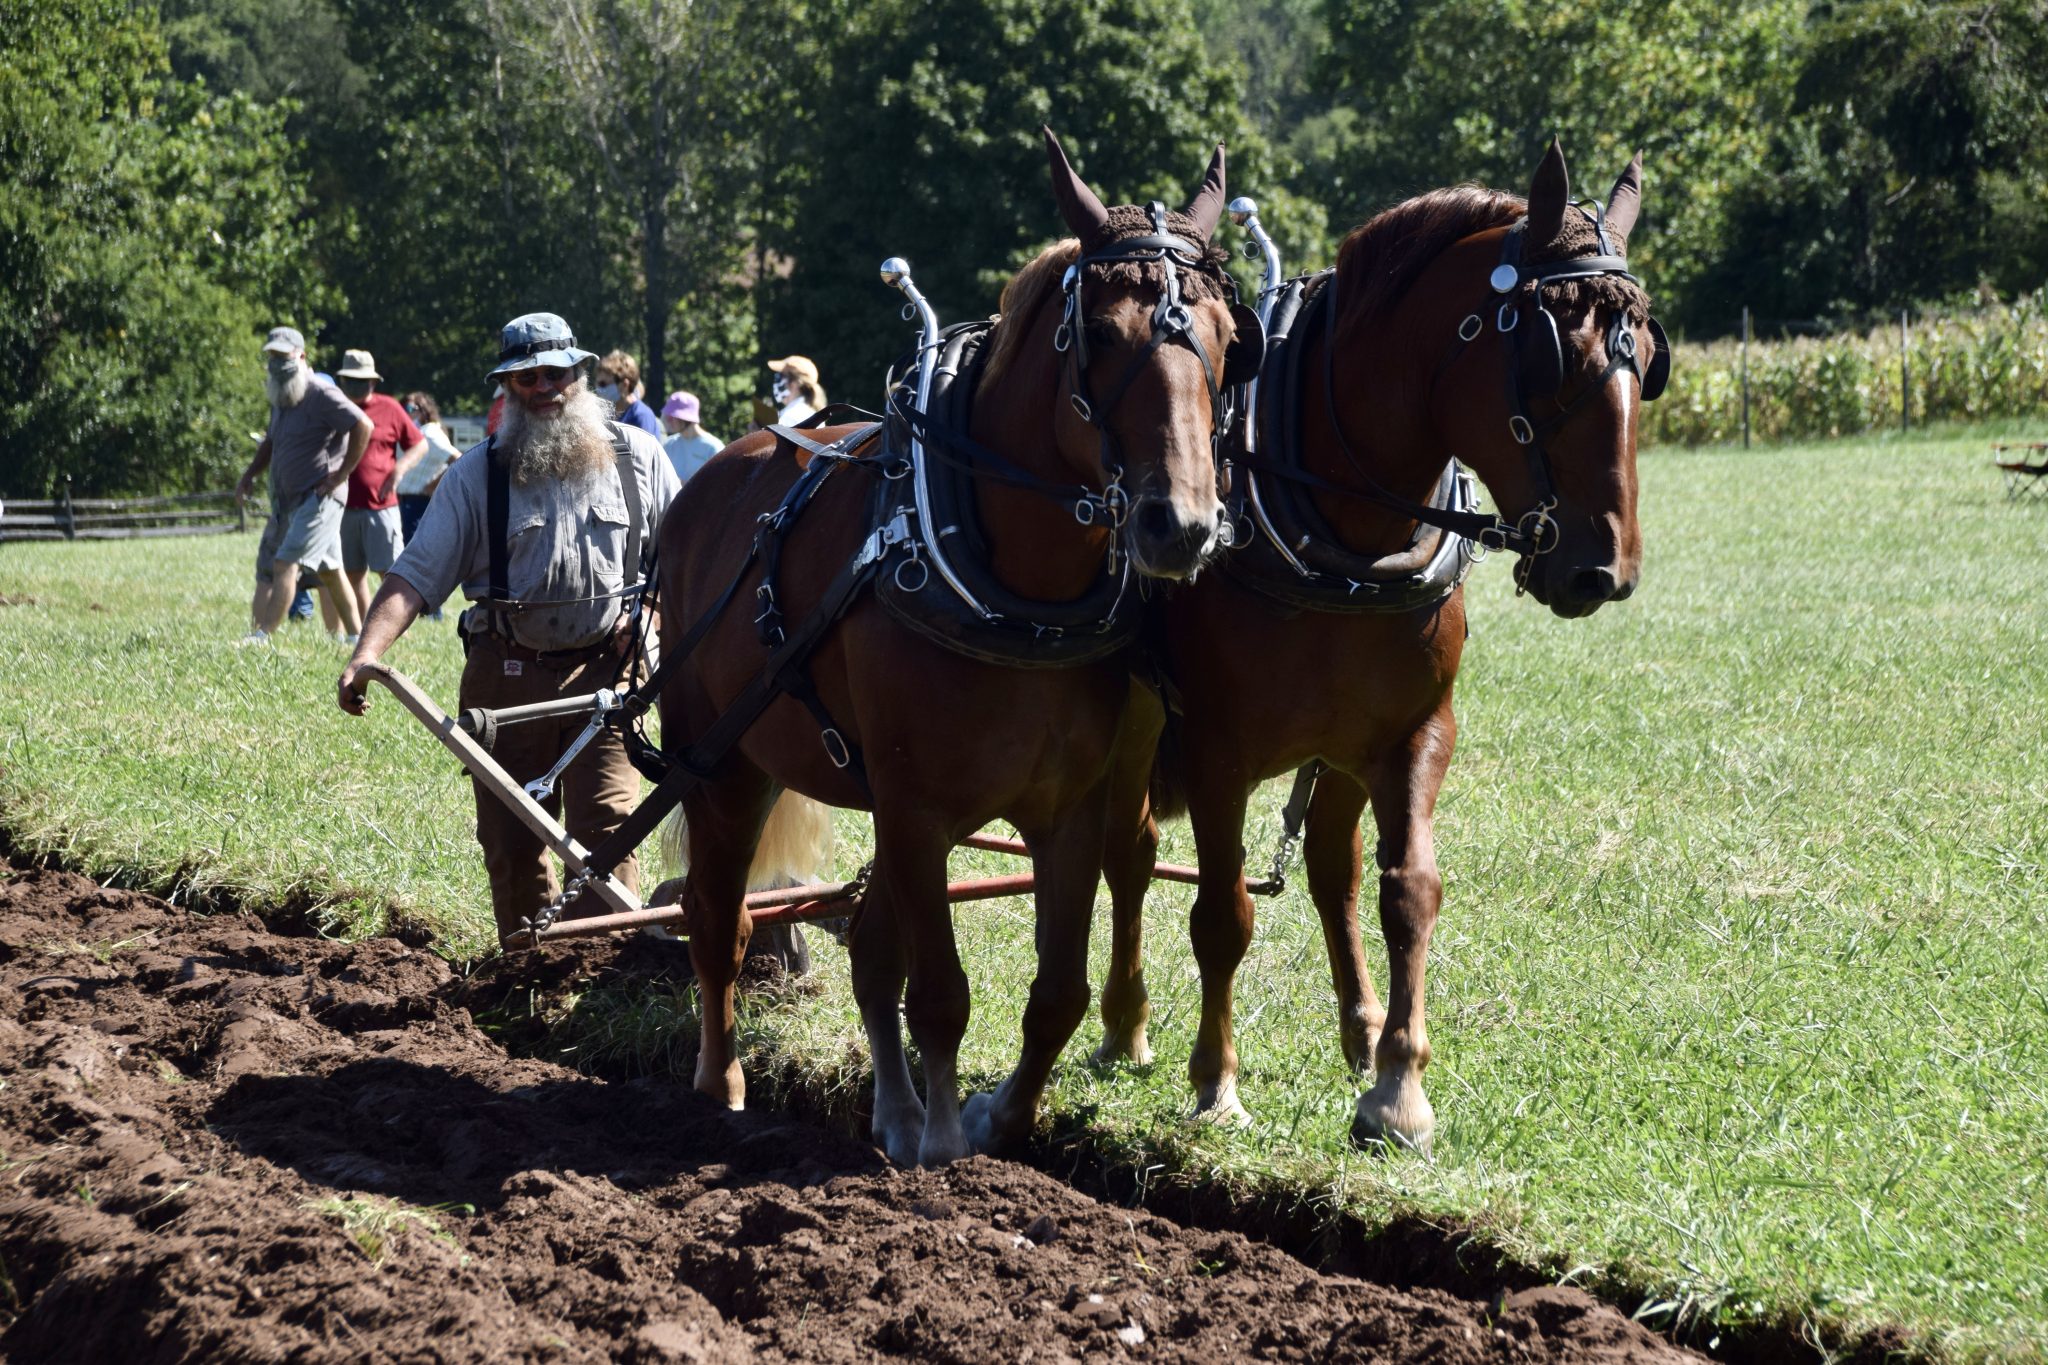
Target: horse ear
column 1079, row 208
column 1549, row 194
column 1624, row 201
column 1206, row 208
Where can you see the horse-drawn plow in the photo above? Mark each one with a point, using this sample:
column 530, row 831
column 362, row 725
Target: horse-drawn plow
column 467, row 737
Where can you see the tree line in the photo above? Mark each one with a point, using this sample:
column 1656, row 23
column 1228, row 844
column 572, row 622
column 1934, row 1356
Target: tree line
column 708, row 184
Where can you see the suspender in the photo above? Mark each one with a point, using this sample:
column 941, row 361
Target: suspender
column 498, row 517
column 635, row 517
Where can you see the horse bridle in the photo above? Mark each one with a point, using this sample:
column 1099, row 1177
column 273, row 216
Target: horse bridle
column 1172, row 320
column 1536, row 351
column 1535, row 531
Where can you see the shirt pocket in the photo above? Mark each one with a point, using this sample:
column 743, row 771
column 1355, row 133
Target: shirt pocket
column 607, row 526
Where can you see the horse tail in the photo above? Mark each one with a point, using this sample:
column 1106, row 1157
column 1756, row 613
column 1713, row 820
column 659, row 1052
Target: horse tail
column 796, row 842
column 1169, row 773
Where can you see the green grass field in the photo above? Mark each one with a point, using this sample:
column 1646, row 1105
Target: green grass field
column 1740, row 995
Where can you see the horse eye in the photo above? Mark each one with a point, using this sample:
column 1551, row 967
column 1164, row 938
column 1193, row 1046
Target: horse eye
column 1100, row 334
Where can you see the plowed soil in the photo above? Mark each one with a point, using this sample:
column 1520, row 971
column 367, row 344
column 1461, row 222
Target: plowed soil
column 222, row 1143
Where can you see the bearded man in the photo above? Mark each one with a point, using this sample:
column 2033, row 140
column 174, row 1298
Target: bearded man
column 574, row 492
column 315, row 440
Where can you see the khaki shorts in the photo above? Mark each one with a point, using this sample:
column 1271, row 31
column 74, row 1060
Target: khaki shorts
column 308, row 534
column 371, row 538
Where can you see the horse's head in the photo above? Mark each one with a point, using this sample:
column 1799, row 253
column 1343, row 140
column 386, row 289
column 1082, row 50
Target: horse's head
column 1542, row 395
column 1145, row 335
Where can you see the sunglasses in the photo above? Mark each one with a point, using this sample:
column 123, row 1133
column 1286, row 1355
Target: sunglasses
column 552, row 375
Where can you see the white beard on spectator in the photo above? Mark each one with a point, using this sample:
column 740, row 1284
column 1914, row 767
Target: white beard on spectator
column 288, row 387
column 572, row 445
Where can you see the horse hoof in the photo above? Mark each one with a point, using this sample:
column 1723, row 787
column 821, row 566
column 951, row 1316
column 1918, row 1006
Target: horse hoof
column 898, row 1137
column 1394, row 1116
column 1222, row 1109
column 977, row 1122
column 1132, row 1047
column 728, row 1086
column 943, row 1149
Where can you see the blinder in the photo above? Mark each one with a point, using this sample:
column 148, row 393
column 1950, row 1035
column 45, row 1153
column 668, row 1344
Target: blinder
column 1247, row 349
column 1659, row 374
column 1542, row 354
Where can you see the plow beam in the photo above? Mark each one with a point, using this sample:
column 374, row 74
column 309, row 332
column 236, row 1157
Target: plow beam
column 477, row 759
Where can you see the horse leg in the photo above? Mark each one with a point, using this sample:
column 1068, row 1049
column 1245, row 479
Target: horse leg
column 1130, row 848
column 1065, row 864
column 876, row 955
column 724, row 824
column 910, row 867
column 1221, row 926
column 1332, row 852
column 1404, row 784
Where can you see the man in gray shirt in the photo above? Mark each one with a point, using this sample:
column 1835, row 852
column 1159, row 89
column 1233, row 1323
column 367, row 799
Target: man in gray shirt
column 559, row 630
column 315, row 439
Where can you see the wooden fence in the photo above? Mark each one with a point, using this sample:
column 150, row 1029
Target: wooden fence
column 69, row 518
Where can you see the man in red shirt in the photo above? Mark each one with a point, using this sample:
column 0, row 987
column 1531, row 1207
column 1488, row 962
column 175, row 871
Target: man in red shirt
column 371, row 528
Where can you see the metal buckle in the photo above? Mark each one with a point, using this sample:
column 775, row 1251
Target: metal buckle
column 1081, row 406
column 835, row 748
column 1471, row 326
column 1062, row 336
column 1519, row 428
column 1509, row 312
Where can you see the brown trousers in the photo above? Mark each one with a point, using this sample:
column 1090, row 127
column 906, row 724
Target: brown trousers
column 600, row 788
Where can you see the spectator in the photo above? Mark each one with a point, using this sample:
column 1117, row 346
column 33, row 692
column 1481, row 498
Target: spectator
column 561, row 631
column 618, row 383
column 315, row 440
column 417, row 484
column 372, row 533
column 797, row 392
column 688, row 444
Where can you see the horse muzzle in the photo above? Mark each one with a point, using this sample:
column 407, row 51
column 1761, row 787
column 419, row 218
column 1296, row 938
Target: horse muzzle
column 1167, row 543
column 1575, row 590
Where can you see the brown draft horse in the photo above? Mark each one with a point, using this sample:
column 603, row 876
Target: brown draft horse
column 1264, row 688
column 952, row 742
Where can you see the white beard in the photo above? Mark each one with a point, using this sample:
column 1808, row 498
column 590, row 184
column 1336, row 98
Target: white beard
column 572, row 445
column 287, row 389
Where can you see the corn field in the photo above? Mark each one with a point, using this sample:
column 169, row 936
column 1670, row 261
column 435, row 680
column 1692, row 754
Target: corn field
column 1984, row 363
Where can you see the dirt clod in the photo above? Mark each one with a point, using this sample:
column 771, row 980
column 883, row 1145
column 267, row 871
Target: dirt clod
column 220, row 1142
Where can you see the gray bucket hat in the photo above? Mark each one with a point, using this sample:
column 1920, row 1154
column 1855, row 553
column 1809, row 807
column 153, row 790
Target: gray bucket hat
column 534, row 340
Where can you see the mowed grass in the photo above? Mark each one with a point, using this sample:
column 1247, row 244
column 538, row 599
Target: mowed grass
column 1740, row 996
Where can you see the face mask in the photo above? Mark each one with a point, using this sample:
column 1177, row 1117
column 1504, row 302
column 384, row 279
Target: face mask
column 781, row 389
column 281, row 365
column 608, row 392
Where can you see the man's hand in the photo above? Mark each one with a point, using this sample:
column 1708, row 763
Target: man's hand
column 243, row 487
column 330, row 484
column 348, row 693
column 396, row 606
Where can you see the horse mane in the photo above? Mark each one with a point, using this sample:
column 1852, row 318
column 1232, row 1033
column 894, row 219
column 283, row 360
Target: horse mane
column 1378, row 263
column 1023, row 296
